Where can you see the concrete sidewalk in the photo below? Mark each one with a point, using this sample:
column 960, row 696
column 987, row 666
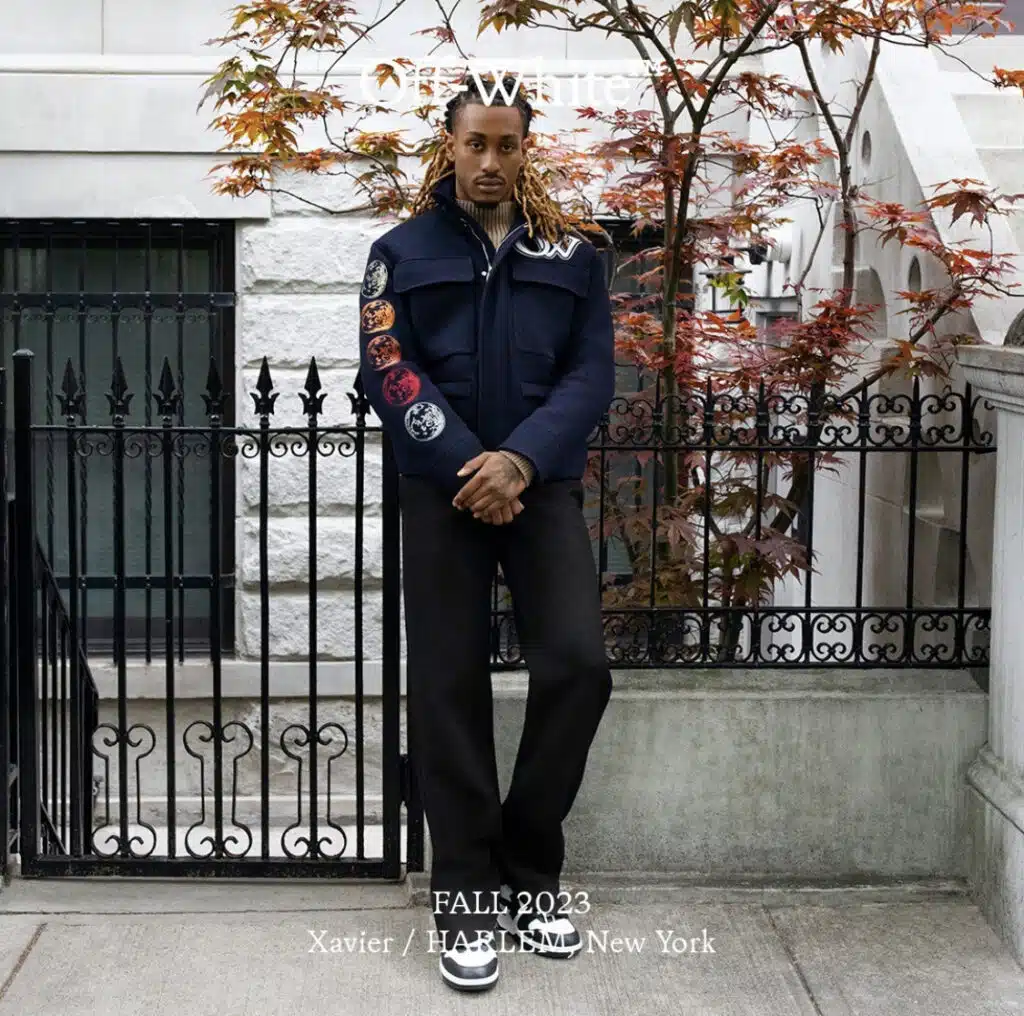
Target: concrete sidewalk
column 116, row 947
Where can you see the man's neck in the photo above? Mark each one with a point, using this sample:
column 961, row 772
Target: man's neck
column 495, row 217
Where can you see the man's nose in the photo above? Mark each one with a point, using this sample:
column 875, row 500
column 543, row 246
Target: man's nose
column 491, row 162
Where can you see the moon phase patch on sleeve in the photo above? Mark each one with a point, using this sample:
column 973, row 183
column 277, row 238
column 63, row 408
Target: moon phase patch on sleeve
column 424, row 421
column 375, row 279
column 383, row 351
column 400, row 386
column 377, row 316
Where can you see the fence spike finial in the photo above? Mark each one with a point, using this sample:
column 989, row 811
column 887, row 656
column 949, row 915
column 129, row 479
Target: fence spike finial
column 167, row 395
column 215, row 395
column 119, row 397
column 71, row 395
column 313, row 396
column 360, row 403
column 264, row 397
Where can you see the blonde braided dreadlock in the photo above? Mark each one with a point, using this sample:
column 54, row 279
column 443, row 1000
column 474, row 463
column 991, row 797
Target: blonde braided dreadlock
column 542, row 213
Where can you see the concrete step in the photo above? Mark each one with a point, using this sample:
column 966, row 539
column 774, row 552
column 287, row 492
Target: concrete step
column 801, row 772
column 641, row 888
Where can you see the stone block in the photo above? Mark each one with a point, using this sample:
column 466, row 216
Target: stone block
column 305, row 255
column 288, row 551
column 288, row 481
column 290, row 329
column 289, row 624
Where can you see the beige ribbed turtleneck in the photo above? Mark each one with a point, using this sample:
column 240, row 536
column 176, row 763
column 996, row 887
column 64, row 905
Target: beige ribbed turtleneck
column 497, row 221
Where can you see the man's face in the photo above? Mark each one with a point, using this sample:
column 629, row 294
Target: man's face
column 487, row 148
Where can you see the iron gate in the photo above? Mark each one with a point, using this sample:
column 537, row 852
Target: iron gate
column 90, row 797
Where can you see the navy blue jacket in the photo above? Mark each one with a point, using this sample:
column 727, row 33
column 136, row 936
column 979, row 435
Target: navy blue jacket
column 464, row 348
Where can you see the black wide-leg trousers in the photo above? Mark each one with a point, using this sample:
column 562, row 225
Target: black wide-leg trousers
column 449, row 561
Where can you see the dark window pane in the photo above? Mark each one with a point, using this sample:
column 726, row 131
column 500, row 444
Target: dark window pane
column 77, row 290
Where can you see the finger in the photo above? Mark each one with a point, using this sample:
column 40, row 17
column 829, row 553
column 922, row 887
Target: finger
column 484, row 492
column 490, row 517
column 493, row 487
column 473, row 485
column 506, row 514
column 488, row 502
column 468, row 491
column 474, row 463
column 517, row 506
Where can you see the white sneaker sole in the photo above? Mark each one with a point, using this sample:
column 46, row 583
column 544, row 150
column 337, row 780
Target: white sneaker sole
column 506, row 923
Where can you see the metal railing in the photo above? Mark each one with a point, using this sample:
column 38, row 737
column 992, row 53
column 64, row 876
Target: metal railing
column 62, row 737
column 8, row 758
column 706, row 510
column 709, row 510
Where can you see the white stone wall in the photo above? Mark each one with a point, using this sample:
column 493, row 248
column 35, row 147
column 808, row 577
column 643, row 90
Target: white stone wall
column 298, row 288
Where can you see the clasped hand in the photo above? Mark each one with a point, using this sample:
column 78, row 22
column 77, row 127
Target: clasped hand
column 492, row 495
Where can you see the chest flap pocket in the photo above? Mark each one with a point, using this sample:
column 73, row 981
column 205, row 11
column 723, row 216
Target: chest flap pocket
column 544, row 295
column 441, row 299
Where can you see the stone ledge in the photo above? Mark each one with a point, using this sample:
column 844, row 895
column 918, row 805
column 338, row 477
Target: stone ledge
column 240, row 679
column 998, row 786
column 996, row 372
column 822, row 773
column 745, row 774
column 821, row 682
column 289, row 679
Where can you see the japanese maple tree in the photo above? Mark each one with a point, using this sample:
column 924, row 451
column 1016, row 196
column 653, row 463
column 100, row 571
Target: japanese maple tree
column 713, row 528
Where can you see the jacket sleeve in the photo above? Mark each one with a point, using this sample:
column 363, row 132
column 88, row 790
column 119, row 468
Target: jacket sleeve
column 575, row 405
column 430, row 438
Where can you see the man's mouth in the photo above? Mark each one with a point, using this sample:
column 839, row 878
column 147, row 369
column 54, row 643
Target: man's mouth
column 489, row 184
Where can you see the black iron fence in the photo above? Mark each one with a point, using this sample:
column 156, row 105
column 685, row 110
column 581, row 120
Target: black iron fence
column 768, row 529
column 8, row 761
column 714, row 517
column 708, row 512
column 197, row 797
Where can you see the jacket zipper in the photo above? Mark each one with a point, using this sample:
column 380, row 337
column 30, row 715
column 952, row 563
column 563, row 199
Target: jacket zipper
column 483, row 301
column 479, row 323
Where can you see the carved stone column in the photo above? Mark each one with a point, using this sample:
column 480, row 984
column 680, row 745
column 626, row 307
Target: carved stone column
column 997, row 775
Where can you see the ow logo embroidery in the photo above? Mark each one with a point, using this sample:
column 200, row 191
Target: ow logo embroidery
column 564, row 249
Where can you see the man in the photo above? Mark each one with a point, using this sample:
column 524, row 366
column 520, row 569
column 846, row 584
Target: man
column 487, row 351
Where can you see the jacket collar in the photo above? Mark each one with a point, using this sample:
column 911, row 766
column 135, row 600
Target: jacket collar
column 444, row 195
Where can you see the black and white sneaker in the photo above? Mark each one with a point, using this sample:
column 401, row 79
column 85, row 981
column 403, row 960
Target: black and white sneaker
column 471, row 962
column 547, row 934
